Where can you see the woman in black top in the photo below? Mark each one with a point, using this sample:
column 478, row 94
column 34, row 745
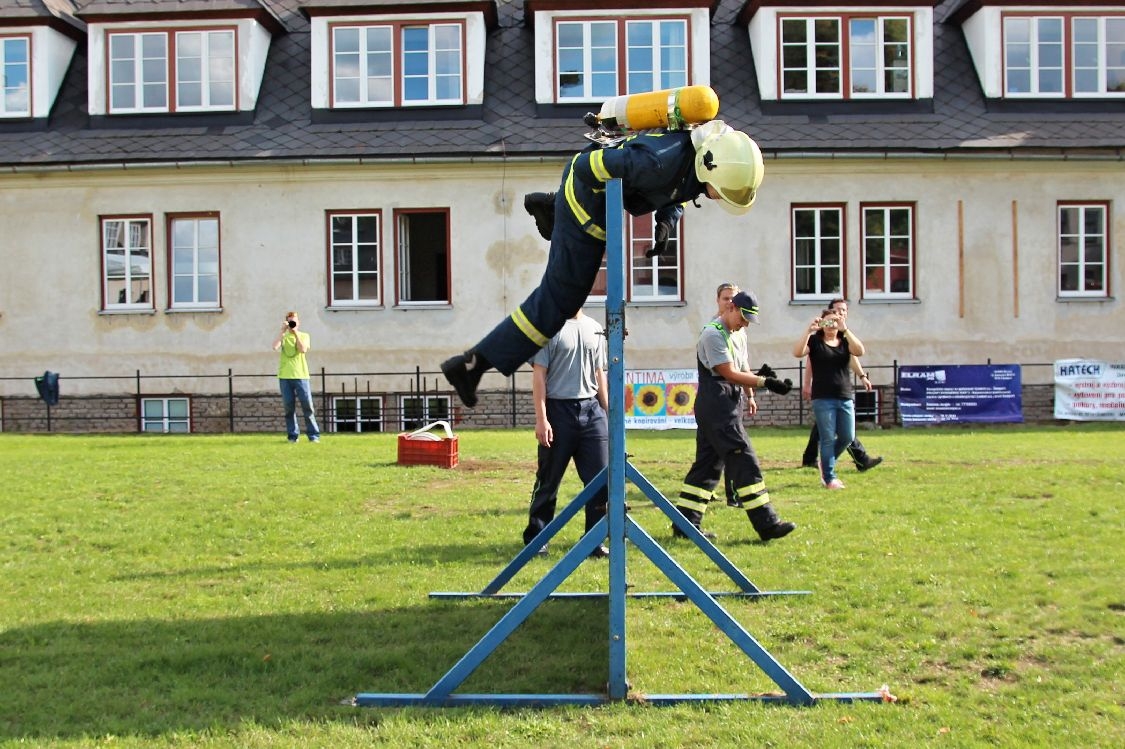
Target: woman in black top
column 830, row 347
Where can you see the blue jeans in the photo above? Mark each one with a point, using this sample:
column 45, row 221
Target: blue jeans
column 292, row 392
column 835, row 420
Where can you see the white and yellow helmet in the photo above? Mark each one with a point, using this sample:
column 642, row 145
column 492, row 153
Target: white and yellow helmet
column 730, row 161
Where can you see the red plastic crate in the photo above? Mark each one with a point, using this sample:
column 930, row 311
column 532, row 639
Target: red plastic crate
column 420, row 448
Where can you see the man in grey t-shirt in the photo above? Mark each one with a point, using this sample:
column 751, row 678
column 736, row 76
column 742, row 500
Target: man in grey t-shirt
column 570, row 393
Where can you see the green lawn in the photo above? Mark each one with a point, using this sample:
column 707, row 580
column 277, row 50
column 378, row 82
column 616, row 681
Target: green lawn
column 235, row 591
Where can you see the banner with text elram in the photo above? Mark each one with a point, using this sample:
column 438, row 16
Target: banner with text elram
column 1089, row 390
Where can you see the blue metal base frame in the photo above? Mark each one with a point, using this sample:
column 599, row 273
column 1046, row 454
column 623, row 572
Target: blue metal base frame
column 619, row 527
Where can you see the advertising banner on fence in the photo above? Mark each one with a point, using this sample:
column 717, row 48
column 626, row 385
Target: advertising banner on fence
column 660, row 398
column 1089, row 390
column 961, row 393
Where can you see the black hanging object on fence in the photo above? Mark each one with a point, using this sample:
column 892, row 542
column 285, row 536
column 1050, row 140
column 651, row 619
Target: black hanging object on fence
column 48, row 386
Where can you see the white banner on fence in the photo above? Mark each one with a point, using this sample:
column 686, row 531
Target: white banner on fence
column 660, row 398
column 1089, row 390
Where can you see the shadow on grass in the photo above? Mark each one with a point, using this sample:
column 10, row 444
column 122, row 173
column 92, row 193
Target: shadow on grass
column 155, row 677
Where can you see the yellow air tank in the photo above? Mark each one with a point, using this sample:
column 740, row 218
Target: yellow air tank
column 671, row 108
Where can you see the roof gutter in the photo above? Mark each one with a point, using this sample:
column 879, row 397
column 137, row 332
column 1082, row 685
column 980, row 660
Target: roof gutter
column 1115, row 154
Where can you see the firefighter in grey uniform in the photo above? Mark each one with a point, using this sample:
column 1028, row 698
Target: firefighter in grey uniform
column 721, row 442
column 571, row 397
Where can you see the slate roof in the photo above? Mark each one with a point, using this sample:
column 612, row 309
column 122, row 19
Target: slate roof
column 284, row 126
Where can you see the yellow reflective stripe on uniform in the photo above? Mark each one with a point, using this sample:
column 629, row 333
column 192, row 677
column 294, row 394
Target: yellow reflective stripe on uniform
column 528, row 329
column 746, row 491
column 584, row 218
column 691, row 504
column 763, row 499
column 696, row 491
column 597, row 166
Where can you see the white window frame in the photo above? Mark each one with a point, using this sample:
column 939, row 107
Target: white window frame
column 400, row 65
column 846, row 66
column 166, row 422
column 161, row 75
column 352, row 249
column 433, row 408
column 216, row 71
column 12, row 93
column 1106, row 51
column 405, row 258
column 639, row 236
column 198, row 251
column 1036, row 67
column 817, row 240
column 135, row 238
column 358, row 420
column 1081, row 238
column 622, row 68
column 888, row 244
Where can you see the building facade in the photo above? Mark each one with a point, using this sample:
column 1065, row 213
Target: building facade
column 175, row 176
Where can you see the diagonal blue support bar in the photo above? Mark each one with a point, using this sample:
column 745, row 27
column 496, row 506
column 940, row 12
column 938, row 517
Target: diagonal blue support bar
column 692, row 532
column 793, row 689
column 516, row 616
column 528, row 552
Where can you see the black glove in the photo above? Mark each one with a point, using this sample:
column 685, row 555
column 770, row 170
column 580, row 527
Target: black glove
column 766, row 371
column 781, row 387
column 661, row 236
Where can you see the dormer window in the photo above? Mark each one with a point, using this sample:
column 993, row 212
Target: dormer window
column 15, row 76
column 177, row 58
column 398, row 64
column 390, row 55
column 1030, row 53
column 593, row 51
column 846, row 57
column 600, row 59
column 168, row 71
column 872, row 52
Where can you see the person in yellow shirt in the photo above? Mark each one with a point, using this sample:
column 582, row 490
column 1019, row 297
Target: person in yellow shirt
column 293, row 377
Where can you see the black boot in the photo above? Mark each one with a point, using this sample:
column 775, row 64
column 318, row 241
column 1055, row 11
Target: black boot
column 464, row 372
column 767, row 523
column 541, row 206
column 695, row 517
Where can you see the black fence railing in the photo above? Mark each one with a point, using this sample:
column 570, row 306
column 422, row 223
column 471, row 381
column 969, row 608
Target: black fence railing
column 377, row 401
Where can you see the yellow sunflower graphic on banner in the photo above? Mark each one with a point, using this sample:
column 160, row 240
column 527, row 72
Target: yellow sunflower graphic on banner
column 681, row 398
column 650, row 400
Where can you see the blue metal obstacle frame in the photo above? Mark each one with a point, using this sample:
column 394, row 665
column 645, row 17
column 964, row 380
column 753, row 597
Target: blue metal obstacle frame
column 619, row 527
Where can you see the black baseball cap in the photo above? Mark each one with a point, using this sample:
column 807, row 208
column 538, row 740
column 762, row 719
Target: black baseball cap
column 748, row 304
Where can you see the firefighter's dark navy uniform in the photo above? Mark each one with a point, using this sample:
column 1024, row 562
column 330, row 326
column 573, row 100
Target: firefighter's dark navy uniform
column 657, row 174
column 722, row 444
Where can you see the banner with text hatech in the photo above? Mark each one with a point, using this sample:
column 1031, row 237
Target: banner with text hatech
column 1089, row 390
column 660, row 398
column 960, row 394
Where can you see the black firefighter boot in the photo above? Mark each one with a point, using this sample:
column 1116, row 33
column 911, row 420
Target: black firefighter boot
column 767, row 523
column 541, row 206
column 464, row 372
column 695, row 517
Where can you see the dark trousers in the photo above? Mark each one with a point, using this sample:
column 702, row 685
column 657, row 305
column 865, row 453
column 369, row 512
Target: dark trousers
column 581, row 434
column 572, row 267
column 855, row 449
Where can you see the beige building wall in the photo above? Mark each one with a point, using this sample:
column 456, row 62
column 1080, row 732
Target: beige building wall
column 986, row 265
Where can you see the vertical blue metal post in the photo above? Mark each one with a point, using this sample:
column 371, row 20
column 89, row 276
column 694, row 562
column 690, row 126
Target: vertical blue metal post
column 615, row 514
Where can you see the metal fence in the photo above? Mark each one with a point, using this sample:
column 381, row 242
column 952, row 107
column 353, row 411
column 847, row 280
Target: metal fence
column 377, row 401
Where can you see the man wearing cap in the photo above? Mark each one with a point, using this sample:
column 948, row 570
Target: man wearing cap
column 660, row 171
column 721, row 442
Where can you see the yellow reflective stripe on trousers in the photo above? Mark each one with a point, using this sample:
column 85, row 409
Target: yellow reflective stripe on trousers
column 691, row 504
column 759, row 489
column 696, row 491
column 584, row 218
column 529, row 330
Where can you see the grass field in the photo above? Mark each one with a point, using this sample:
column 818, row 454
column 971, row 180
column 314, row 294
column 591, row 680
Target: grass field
column 234, row 591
